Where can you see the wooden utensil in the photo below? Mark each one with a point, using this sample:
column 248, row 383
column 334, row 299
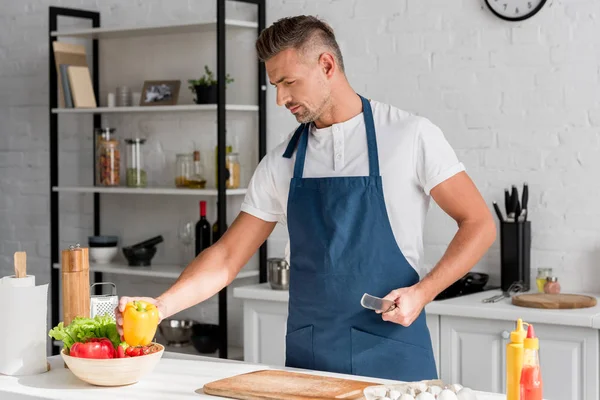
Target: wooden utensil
column 20, row 260
column 286, row 385
column 554, row 301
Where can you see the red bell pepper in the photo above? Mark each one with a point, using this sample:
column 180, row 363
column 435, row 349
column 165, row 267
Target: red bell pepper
column 93, row 348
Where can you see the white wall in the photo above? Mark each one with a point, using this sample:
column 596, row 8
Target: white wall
column 518, row 101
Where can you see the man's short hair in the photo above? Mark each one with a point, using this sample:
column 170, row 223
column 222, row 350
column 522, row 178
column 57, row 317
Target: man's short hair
column 301, row 33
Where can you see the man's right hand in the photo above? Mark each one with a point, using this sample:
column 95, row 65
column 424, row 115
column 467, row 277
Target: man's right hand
column 123, row 302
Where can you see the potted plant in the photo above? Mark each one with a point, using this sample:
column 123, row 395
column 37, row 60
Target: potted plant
column 205, row 88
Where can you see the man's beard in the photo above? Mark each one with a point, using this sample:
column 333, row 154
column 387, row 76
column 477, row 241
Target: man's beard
column 307, row 115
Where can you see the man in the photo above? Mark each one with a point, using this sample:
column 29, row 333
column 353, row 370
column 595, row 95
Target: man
column 353, row 184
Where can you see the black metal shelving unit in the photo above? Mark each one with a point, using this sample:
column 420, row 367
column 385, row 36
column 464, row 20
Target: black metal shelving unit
column 94, row 17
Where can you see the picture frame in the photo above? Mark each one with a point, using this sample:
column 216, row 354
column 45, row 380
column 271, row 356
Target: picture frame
column 160, row 93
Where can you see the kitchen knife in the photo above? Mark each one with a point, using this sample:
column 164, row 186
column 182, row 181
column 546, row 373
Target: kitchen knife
column 507, row 201
column 498, row 212
column 525, row 199
column 514, row 196
column 377, row 304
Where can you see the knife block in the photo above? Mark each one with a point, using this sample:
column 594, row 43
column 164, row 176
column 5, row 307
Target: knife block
column 515, row 254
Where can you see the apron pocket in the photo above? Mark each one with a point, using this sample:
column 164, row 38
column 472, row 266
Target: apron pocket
column 382, row 357
column 299, row 348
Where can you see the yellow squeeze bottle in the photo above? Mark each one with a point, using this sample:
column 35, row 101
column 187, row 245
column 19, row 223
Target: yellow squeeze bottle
column 514, row 361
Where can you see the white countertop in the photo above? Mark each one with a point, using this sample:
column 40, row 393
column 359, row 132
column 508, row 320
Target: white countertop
column 466, row 306
column 177, row 376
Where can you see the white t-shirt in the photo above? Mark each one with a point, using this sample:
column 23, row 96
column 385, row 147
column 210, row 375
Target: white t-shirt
column 414, row 157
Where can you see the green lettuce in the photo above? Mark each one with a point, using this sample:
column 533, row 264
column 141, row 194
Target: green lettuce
column 82, row 329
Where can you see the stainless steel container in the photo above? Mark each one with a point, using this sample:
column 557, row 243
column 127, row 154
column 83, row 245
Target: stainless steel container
column 278, row 273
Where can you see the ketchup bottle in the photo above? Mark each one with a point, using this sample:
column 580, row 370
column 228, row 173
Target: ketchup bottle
column 531, row 374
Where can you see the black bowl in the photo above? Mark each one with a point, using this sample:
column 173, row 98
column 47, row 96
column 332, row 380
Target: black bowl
column 139, row 257
column 103, row 241
column 205, row 338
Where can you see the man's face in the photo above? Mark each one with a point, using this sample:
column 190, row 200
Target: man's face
column 301, row 84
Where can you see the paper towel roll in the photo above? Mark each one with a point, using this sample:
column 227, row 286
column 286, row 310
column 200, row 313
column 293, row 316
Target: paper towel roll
column 24, row 332
column 12, row 280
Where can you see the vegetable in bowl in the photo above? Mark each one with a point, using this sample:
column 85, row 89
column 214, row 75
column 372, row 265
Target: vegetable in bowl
column 96, row 338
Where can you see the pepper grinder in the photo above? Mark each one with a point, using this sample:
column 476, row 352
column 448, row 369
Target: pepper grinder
column 75, row 283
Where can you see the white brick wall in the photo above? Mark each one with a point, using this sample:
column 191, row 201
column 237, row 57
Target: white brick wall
column 518, row 101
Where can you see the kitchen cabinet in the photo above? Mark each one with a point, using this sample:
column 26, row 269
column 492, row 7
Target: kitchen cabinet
column 473, row 353
column 264, row 331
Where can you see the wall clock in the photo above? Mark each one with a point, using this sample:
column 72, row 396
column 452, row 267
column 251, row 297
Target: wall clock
column 515, row 10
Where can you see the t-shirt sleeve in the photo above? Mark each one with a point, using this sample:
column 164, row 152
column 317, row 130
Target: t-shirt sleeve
column 262, row 199
column 436, row 161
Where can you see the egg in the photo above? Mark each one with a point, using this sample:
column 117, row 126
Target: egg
column 378, row 391
column 434, row 390
column 455, row 387
column 421, row 387
column 394, row 394
column 466, row 394
column 425, row 396
column 406, row 396
column 447, row 394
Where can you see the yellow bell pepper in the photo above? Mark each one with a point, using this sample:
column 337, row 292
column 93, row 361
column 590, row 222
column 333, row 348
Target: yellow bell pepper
column 140, row 320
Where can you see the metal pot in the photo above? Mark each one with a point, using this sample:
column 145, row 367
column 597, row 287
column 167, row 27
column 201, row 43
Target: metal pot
column 278, row 273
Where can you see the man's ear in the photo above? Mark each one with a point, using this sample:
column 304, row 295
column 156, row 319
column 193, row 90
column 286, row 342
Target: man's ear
column 327, row 64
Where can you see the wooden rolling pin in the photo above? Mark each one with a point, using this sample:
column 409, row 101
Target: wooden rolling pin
column 75, row 283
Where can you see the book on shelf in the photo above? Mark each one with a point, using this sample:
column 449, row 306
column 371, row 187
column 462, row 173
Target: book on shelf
column 73, row 55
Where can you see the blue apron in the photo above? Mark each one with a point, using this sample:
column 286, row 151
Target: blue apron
column 342, row 246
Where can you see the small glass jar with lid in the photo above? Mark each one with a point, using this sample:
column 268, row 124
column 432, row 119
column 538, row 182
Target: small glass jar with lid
column 108, row 158
column 232, row 171
column 184, row 169
column 542, row 275
column 136, row 174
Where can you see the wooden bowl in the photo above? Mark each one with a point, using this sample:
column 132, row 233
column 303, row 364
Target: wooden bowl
column 113, row 371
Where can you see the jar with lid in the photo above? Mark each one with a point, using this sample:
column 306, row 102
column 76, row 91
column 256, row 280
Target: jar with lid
column 552, row 286
column 232, row 171
column 184, row 167
column 136, row 175
column 197, row 179
column 108, row 158
column 542, row 275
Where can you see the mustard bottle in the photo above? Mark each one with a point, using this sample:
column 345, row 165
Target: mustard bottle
column 514, row 361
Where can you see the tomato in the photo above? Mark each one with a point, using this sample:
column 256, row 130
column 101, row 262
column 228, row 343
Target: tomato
column 93, row 348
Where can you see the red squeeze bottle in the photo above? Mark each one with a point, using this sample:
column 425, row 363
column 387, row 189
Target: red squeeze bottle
column 531, row 374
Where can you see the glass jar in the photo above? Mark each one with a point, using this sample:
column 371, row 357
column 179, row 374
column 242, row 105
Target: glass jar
column 183, row 169
column 197, row 180
column 232, row 171
column 108, row 158
column 136, row 175
column 552, row 286
column 542, row 275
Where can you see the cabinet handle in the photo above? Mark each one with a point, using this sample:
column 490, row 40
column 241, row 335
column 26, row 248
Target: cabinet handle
column 506, row 335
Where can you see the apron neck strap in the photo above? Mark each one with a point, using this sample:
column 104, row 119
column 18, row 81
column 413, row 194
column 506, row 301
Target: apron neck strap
column 300, row 140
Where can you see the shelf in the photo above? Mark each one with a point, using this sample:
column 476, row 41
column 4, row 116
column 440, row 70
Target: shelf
column 153, row 109
column 154, row 271
column 156, row 190
column 138, row 31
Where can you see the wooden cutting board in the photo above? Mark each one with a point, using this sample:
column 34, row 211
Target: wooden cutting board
column 554, row 301
column 286, row 385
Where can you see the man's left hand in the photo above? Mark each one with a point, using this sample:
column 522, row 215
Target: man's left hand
column 409, row 304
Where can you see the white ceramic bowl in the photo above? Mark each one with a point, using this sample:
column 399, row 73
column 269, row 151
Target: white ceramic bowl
column 103, row 255
column 113, row 371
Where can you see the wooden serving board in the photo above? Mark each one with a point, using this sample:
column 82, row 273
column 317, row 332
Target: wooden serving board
column 286, row 385
column 554, row 301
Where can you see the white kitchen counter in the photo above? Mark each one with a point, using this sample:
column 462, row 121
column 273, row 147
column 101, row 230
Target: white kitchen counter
column 466, row 306
column 177, row 376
